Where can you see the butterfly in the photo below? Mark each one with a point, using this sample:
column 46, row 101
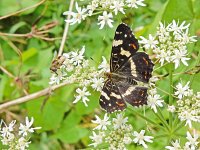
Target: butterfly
column 129, row 72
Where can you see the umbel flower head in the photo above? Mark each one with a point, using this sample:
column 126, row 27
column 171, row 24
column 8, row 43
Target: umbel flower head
column 77, row 69
column 188, row 104
column 17, row 140
column 105, row 10
column 117, row 133
column 170, row 43
column 191, row 144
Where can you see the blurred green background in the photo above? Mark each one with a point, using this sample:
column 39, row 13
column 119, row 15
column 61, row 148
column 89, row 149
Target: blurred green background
column 28, row 58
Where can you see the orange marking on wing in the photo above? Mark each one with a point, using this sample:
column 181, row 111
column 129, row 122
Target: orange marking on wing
column 120, row 104
column 133, row 45
column 145, row 61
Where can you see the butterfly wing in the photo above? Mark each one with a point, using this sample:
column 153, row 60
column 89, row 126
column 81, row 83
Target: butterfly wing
column 124, row 46
column 111, row 99
column 138, row 67
column 134, row 95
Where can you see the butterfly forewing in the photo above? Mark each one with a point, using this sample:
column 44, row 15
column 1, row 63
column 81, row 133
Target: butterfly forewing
column 111, row 99
column 124, row 45
column 138, row 67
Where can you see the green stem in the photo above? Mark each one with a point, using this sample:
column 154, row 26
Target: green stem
column 162, row 120
column 179, row 127
column 170, row 93
column 175, row 123
column 147, row 119
column 161, row 136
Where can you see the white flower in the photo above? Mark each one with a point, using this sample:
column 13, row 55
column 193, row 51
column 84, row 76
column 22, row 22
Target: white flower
column 6, row 131
column 179, row 55
column 104, row 66
column 118, row 6
column 119, row 121
column 96, row 138
column 171, row 108
column 97, row 83
column 7, row 139
column 22, row 144
column 82, row 94
column 176, row 28
column 141, row 139
column 175, row 145
column 57, row 77
column 182, row 90
column 150, row 43
column 135, row 3
column 105, row 19
column 76, row 17
column 127, row 140
column 192, row 140
column 77, row 57
column 187, row 116
column 154, row 101
column 25, row 129
column 102, row 124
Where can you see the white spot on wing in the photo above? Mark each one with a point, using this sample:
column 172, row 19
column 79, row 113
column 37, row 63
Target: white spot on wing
column 126, row 53
column 117, row 43
column 115, row 95
column 105, row 95
column 133, row 69
column 129, row 90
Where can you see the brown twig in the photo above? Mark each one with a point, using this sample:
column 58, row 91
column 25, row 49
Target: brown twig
column 7, row 72
column 66, row 30
column 27, row 8
column 32, row 96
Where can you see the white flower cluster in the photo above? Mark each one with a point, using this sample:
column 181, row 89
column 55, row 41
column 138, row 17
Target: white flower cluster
column 105, row 7
column 117, row 133
column 154, row 100
column 191, row 144
column 16, row 140
column 76, row 68
column 170, row 43
column 188, row 104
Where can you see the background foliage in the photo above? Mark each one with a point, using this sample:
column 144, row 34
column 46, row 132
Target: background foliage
column 28, row 58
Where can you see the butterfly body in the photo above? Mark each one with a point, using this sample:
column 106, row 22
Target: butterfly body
column 128, row 69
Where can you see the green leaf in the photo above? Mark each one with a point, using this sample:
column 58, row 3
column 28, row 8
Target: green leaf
column 70, row 131
column 178, row 10
column 50, row 117
column 28, row 54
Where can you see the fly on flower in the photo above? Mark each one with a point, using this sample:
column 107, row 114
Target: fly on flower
column 128, row 70
column 57, row 63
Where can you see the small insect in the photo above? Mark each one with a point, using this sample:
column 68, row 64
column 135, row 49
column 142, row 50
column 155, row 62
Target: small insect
column 129, row 72
column 57, row 63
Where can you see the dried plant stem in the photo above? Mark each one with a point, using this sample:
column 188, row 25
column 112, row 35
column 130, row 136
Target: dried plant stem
column 7, row 72
column 20, row 11
column 32, row 96
column 66, row 30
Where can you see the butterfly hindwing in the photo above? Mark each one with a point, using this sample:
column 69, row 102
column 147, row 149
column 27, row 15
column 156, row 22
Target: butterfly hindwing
column 124, row 45
column 138, row 67
column 111, row 99
column 134, row 95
